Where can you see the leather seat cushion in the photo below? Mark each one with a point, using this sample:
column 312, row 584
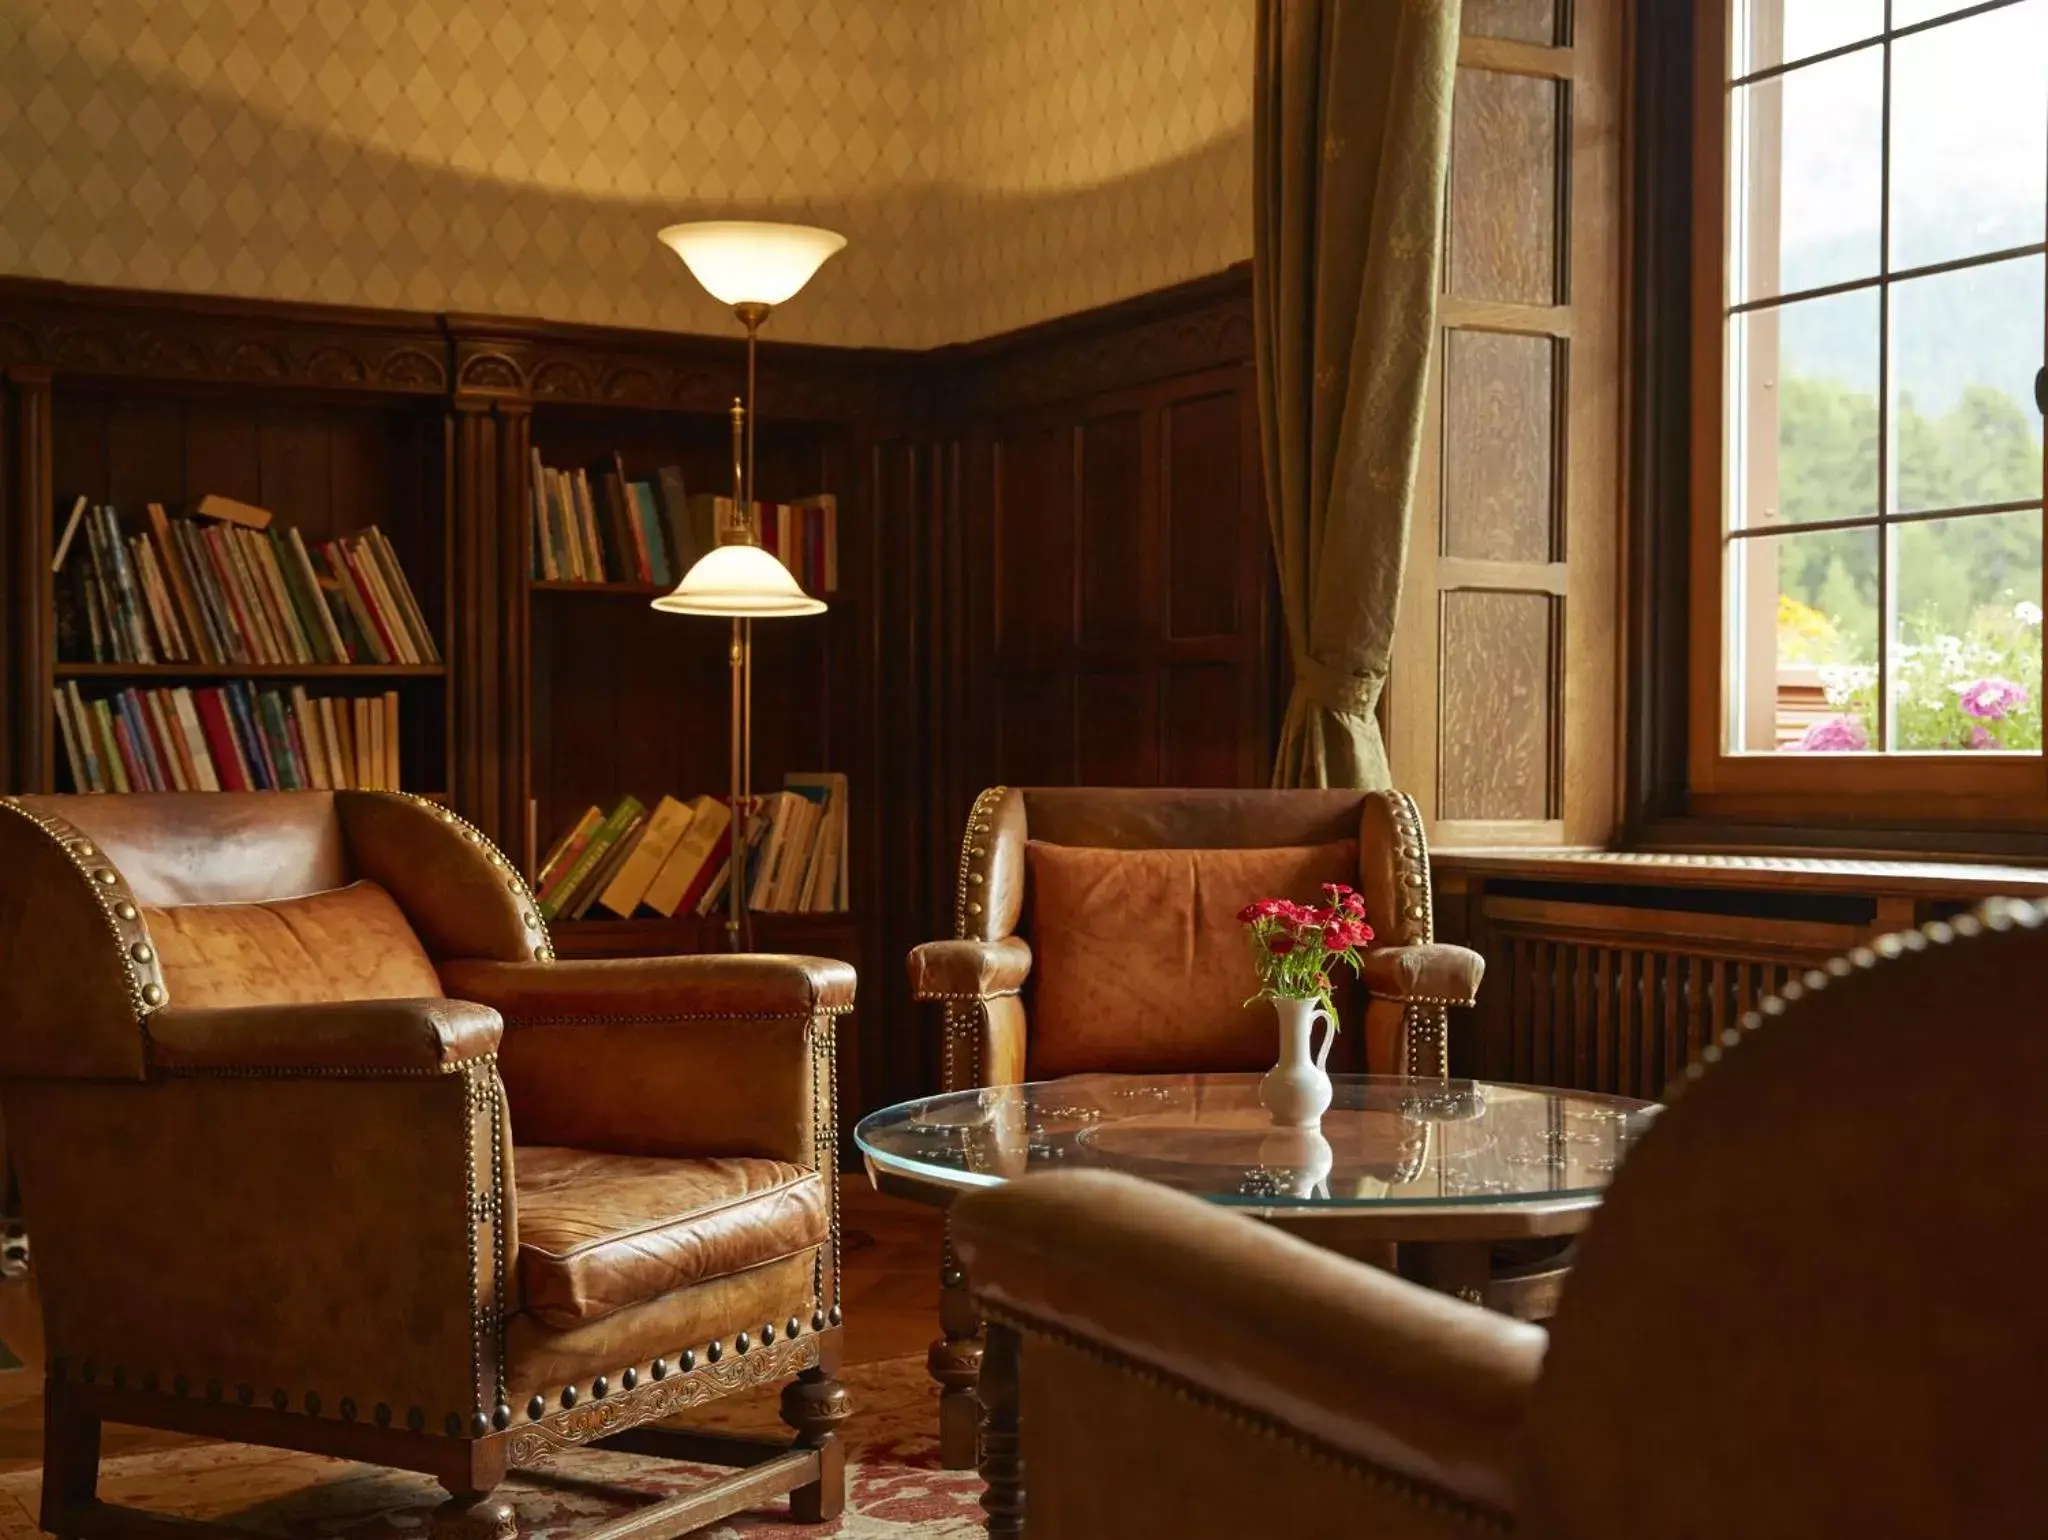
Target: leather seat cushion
column 598, row 1232
column 1139, row 963
column 351, row 943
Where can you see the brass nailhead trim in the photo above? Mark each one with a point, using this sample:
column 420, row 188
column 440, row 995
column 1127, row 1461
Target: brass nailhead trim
column 537, row 1408
column 659, row 1368
column 629, row 1378
column 688, row 1359
column 599, row 1387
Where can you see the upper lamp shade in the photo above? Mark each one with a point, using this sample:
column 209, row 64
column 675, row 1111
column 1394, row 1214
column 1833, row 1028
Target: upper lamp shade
column 738, row 581
column 748, row 262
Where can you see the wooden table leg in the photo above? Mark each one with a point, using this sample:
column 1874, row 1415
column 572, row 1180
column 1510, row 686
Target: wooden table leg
column 955, row 1362
column 1002, row 1460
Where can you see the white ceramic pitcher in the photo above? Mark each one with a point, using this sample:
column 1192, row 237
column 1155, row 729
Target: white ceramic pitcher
column 1296, row 1091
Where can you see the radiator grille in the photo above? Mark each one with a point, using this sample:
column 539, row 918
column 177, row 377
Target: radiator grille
column 1614, row 999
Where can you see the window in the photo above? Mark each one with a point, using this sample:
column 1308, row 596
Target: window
column 1868, row 576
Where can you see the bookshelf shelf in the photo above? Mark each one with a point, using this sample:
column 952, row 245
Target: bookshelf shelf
column 833, row 934
column 250, row 671
column 626, row 590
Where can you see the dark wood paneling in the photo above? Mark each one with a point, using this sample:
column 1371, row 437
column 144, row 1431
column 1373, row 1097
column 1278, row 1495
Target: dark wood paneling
column 1118, row 740
column 1205, row 492
column 1034, row 538
column 1111, row 531
column 1205, row 726
column 1504, row 183
column 1500, row 446
column 1524, row 21
column 1495, row 733
column 1034, row 729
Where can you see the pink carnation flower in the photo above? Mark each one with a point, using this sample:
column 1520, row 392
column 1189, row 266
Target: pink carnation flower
column 1834, row 735
column 1992, row 700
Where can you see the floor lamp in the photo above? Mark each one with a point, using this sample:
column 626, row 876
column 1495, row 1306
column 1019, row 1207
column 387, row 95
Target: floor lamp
column 752, row 267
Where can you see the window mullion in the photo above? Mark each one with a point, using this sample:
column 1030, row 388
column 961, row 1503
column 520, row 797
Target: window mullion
column 1884, row 399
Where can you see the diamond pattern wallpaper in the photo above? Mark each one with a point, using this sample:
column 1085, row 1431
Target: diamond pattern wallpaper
column 992, row 163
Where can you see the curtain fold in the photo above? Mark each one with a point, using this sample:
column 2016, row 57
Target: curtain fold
column 1351, row 139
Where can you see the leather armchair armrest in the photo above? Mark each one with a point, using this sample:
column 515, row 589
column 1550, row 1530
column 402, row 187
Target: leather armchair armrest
column 1430, row 973
column 753, row 985
column 366, row 1037
column 1412, row 1382
column 969, row 970
column 681, row 1056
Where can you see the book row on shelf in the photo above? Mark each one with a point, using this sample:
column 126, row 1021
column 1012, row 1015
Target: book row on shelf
column 231, row 737
column 596, row 524
column 676, row 858
column 224, row 586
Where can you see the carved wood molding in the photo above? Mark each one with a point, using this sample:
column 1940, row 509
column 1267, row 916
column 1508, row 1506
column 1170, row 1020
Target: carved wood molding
column 1191, row 327
column 652, row 1400
column 129, row 334
column 609, row 367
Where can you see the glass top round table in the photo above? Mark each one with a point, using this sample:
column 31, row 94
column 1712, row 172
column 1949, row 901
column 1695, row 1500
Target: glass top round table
column 1393, row 1160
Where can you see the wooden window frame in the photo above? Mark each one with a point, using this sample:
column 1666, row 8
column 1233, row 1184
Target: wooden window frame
column 1991, row 791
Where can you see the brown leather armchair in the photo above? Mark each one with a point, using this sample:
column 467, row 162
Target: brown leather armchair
column 264, row 1057
column 1809, row 1306
column 1095, row 930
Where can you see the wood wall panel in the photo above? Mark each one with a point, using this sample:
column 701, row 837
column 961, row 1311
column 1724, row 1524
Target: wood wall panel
column 1521, row 21
column 1504, row 187
column 1112, row 553
column 1204, row 466
column 1034, row 537
column 1118, row 741
column 1034, row 729
column 1205, row 726
column 1112, row 529
column 1500, row 430
column 1496, row 731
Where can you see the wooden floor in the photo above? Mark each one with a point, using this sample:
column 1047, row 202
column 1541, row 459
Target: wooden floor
column 890, row 1294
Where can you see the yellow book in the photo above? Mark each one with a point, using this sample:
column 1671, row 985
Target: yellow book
column 667, row 824
column 679, row 873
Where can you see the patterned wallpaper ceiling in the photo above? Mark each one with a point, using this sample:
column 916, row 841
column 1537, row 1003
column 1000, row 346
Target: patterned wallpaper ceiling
column 992, row 164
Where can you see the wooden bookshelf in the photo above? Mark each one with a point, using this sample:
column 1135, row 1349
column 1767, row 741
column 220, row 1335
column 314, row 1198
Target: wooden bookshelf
column 616, row 590
column 1051, row 566
column 143, row 673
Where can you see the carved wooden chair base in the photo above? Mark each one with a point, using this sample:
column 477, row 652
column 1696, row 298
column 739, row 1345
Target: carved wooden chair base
column 811, row 1470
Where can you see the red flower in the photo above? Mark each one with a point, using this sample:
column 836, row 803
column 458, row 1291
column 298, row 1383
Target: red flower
column 1333, row 936
column 1354, row 904
column 1280, row 946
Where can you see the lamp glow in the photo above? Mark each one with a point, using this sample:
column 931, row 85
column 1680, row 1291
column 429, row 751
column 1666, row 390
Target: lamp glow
column 741, row 581
column 749, row 262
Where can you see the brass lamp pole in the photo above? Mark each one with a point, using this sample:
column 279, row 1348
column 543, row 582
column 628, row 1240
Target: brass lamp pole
column 752, row 267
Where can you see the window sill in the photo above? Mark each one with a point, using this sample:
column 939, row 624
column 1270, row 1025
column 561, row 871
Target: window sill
column 1866, row 875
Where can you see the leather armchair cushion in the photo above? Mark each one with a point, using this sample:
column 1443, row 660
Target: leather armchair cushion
column 1139, row 962
column 599, row 1233
column 349, row 943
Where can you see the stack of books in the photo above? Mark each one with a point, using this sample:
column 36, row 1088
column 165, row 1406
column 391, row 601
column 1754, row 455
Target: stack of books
column 595, row 524
column 232, row 738
column 677, row 858
column 226, row 587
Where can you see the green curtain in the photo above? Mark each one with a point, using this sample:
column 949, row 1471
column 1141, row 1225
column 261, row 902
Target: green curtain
column 1351, row 138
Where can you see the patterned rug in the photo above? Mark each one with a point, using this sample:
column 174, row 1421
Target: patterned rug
column 895, row 1489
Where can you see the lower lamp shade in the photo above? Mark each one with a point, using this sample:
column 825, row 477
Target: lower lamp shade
column 738, row 580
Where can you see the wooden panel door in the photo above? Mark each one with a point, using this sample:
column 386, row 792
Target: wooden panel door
column 1500, row 710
